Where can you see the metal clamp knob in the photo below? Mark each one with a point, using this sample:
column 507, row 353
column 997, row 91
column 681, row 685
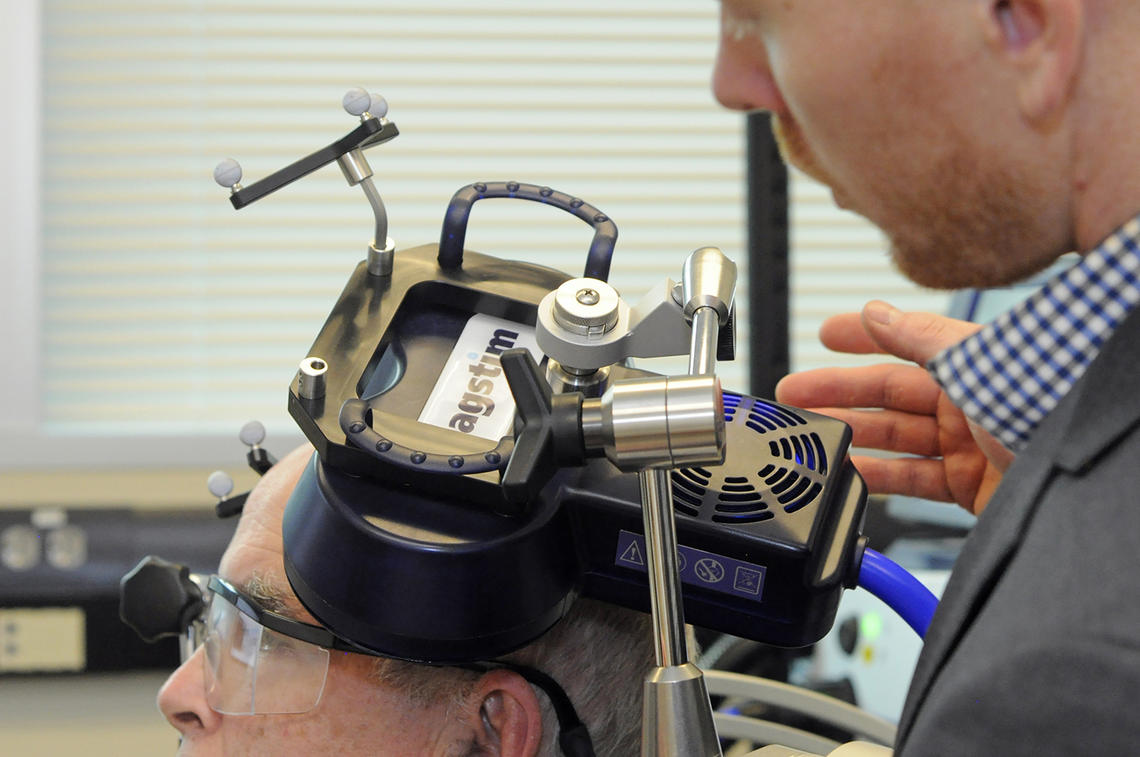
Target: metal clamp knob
column 588, row 307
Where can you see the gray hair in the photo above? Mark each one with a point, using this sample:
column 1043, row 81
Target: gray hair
column 598, row 653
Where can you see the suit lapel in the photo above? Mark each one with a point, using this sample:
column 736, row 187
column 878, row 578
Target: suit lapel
column 991, row 543
column 1103, row 405
column 1110, row 405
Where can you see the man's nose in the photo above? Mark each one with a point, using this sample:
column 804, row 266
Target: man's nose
column 742, row 79
column 182, row 698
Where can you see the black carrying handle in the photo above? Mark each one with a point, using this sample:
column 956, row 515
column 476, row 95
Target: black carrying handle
column 459, row 209
column 549, row 436
column 357, row 423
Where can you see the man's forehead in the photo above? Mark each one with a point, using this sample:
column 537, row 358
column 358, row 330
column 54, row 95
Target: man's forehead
column 254, row 562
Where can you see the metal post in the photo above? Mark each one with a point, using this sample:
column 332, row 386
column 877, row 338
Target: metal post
column 706, row 330
column 661, row 561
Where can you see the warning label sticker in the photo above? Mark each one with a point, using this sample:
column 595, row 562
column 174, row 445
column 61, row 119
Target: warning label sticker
column 698, row 567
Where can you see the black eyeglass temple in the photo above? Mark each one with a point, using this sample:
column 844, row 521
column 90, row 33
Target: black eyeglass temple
column 573, row 737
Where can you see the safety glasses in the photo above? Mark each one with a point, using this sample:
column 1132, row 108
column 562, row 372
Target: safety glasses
column 258, row 662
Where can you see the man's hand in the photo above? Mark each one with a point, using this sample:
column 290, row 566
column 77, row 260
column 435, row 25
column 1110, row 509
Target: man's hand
column 900, row 408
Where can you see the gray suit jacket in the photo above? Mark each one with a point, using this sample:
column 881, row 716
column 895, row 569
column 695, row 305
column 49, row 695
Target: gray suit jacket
column 1035, row 647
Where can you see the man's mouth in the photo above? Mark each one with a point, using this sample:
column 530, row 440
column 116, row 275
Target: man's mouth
column 794, row 148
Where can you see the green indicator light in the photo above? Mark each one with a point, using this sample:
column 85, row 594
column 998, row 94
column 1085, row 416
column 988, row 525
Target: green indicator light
column 870, row 626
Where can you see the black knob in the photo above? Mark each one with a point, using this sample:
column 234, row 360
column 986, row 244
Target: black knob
column 849, row 634
column 550, row 434
column 158, row 599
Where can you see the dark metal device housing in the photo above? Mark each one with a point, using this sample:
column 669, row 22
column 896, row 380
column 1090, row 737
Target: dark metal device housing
column 398, row 549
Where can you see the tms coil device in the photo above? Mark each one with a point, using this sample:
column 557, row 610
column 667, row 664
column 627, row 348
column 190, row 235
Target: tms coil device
column 487, row 452
column 483, row 445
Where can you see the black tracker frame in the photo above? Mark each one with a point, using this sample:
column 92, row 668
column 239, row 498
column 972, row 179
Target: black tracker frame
column 398, row 535
column 372, row 131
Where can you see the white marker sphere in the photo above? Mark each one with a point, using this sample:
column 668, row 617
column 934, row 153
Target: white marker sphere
column 252, row 433
column 220, row 484
column 227, row 173
column 379, row 106
column 356, row 101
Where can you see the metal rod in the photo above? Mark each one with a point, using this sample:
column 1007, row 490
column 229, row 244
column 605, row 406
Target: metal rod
column 380, row 240
column 661, row 561
column 702, row 350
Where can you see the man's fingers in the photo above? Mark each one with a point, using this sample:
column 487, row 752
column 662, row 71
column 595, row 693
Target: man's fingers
column 845, row 333
column 913, row 477
column 883, row 329
column 888, row 430
column 996, row 452
column 891, row 386
column 912, row 336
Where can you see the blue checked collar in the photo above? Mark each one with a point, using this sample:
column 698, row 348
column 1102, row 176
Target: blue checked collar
column 1011, row 374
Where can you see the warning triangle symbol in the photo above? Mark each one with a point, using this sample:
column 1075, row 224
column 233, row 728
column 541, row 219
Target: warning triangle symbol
column 632, row 554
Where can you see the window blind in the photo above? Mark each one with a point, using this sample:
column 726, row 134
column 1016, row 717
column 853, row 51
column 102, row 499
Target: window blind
column 165, row 313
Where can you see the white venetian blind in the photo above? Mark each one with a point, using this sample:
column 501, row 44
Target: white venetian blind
column 165, row 312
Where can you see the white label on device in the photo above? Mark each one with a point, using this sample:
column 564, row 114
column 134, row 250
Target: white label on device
column 472, row 395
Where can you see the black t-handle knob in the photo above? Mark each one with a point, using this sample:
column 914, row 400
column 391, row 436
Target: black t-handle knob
column 158, row 598
column 549, row 430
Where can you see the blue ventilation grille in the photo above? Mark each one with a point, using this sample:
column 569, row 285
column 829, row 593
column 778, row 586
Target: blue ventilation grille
column 805, row 450
column 793, row 490
column 792, row 480
column 763, row 418
column 731, row 403
column 737, row 500
column 740, row 502
column 689, row 488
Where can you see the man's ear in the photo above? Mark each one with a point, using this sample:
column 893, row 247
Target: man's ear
column 1043, row 41
column 509, row 720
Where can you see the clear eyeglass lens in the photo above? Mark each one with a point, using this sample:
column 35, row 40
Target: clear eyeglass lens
column 253, row 670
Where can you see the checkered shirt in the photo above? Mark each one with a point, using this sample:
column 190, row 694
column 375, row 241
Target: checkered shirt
column 1011, row 374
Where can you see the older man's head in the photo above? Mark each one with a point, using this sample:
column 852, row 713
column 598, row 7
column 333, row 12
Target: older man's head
column 376, row 706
